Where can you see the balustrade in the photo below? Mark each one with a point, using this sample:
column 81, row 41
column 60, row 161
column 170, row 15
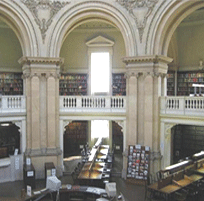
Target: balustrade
column 12, row 104
column 183, row 105
column 92, row 103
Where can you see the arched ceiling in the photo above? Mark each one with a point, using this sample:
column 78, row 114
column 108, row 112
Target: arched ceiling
column 187, row 44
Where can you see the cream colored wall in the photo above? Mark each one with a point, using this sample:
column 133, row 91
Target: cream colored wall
column 190, row 45
column 74, row 49
column 10, row 51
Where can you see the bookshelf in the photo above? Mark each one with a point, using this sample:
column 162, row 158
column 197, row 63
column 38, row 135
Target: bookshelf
column 187, row 140
column 186, row 80
column 117, row 140
column 73, row 84
column 118, row 84
column 9, row 140
column 170, row 83
column 11, row 84
column 74, row 137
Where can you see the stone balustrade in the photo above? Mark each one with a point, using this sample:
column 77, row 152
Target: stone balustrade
column 175, row 105
column 12, row 104
column 182, row 105
column 93, row 104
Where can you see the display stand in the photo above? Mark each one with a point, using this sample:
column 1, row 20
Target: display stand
column 29, row 176
column 50, row 170
column 138, row 164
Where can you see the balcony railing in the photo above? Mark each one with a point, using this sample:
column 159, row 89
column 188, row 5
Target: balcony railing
column 12, row 104
column 93, row 104
column 182, row 105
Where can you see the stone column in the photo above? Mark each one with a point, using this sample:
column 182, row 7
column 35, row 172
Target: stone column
column 41, row 76
column 145, row 85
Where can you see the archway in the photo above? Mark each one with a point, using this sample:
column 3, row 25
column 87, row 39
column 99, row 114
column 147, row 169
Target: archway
column 163, row 30
column 86, row 12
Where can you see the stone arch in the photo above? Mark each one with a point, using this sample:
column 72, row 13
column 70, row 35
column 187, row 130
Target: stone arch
column 163, row 29
column 86, row 12
column 15, row 17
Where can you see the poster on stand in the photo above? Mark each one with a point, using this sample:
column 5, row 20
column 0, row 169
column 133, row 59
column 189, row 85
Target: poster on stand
column 138, row 162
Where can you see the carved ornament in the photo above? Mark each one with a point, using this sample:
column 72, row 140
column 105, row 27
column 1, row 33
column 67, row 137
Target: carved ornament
column 167, row 131
column 43, row 12
column 140, row 10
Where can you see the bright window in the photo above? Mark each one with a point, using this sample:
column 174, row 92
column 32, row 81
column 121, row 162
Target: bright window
column 99, row 128
column 100, row 72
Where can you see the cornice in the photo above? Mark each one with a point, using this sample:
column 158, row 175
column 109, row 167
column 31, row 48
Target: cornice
column 41, row 60
column 147, row 59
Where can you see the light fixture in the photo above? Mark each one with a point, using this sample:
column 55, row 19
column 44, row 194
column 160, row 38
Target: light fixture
column 5, row 124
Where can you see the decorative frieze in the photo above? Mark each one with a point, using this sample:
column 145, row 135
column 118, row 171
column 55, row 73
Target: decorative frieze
column 43, row 11
column 140, row 10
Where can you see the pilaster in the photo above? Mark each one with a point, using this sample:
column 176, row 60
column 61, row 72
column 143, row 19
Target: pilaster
column 146, row 83
column 41, row 76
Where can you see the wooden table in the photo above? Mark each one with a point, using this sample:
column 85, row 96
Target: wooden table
column 172, row 188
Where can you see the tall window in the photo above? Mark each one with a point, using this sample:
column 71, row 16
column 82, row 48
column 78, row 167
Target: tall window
column 100, row 72
column 99, row 128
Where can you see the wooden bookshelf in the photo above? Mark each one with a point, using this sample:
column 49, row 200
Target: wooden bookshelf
column 74, row 137
column 73, row 84
column 11, row 84
column 170, row 83
column 185, row 81
column 118, row 84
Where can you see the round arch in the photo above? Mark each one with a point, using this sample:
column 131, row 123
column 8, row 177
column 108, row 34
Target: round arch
column 19, row 22
column 164, row 28
column 85, row 12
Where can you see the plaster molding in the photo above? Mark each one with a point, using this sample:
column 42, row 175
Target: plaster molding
column 34, row 74
column 147, row 59
column 18, row 124
column 167, row 130
column 151, row 24
column 130, row 74
column 66, row 122
column 26, row 75
column 140, row 10
column 121, row 124
column 44, row 11
column 41, row 60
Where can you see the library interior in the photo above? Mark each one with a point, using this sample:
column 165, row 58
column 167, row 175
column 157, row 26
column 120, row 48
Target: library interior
column 101, row 100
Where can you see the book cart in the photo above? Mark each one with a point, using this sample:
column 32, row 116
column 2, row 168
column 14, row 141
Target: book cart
column 138, row 164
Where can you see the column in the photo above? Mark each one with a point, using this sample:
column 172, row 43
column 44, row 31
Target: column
column 41, row 76
column 144, row 90
column 132, row 90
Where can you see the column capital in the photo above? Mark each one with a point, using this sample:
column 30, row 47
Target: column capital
column 131, row 74
column 151, row 64
column 41, row 60
column 147, row 59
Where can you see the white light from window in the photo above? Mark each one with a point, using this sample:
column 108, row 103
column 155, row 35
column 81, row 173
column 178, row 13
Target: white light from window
column 100, row 75
column 99, row 128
